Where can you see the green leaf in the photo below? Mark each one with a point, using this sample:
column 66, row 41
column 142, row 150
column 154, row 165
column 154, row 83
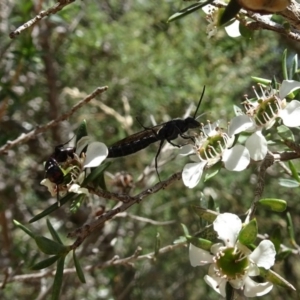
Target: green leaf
column 25, row 229
column 78, row 268
column 276, row 237
column 246, row 32
column 288, row 183
column 278, row 205
column 188, row 10
column 291, row 229
column 285, row 133
column 54, row 234
column 206, row 214
column 49, row 246
column 274, row 278
column 207, row 233
column 200, row 243
column 95, row 173
column 58, row 279
column 53, row 207
column 81, row 131
column 248, row 233
column 185, row 230
column 265, row 82
column 281, row 256
column 294, row 171
column 213, row 171
column 45, row 263
column 294, row 68
column 284, row 65
column 230, row 11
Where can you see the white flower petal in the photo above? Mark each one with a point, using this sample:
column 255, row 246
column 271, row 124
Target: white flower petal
column 50, row 185
column 95, row 154
column 82, row 143
column 291, row 114
column 217, row 283
column 257, row 146
column 287, row 87
column 233, row 30
column 208, row 8
column 253, row 270
column 215, row 248
column 192, row 173
column 254, row 289
column 239, row 124
column 75, row 188
column 199, row 257
column 237, row 283
column 236, row 159
column 264, row 254
column 228, row 226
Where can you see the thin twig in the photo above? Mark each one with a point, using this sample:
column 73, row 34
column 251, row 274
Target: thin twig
column 45, row 13
column 84, row 231
column 113, row 262
column 32, row 134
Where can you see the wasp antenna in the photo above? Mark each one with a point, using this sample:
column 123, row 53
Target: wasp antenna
column 199, row 102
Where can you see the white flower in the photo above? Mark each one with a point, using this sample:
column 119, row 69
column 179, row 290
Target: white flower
column 212, row 17
column 233, row 30
column 233, row 262
column 212, row 146
column 263, row 113
column 74, row 168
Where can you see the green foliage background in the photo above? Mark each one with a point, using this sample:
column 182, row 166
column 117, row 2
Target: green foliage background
column 160, row 69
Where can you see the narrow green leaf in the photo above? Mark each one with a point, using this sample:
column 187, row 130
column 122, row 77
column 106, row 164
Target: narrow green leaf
column 25, row 229
column 45, row 263
column 81, row 131
column 52, row 208
column 200, row 243
column 230, row 11
column 291, row 229
column 294, row 171
column 206, row 214
column 285, row 133
column 54, row 234
column 246, row 32
column 213, row 171
column 281, row 256
column 58, row 279
column 78, row 268
column 95, row 173
column 188, row 10
column 49, row 246
column 277, row 205
column 185, row 230
column 294, row 67
column 248, row 233
column 263, row 81
column 288, row 183
column 284, row 65
column 276, row 237
column 275, row 278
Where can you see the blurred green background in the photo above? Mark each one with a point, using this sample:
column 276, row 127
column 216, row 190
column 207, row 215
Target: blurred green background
column 159, row 70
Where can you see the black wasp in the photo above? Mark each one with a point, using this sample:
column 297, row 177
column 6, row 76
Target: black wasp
column 52, row 168
column 167, row 131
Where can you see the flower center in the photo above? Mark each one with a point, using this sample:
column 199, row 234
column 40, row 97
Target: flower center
column 213, row 147
column 232, row 263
